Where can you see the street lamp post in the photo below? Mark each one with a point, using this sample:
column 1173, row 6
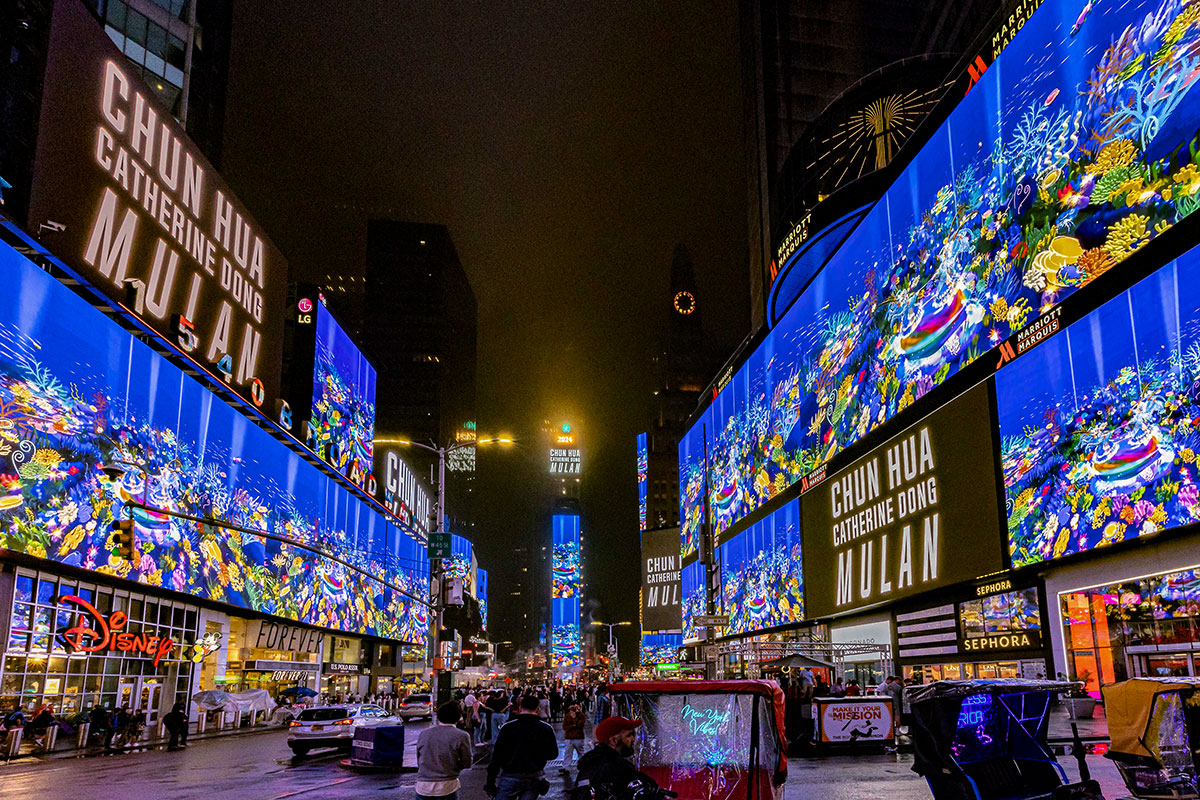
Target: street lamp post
column 441, row 693
column 612, row 646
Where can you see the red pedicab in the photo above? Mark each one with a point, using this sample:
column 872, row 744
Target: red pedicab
column 708, row 740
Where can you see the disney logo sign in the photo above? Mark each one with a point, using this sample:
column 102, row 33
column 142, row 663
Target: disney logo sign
column 109, row 634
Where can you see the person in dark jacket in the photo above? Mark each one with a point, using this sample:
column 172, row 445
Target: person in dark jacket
column 606, row 767
column 177, row 726
column 573, row 723
column 519, row 758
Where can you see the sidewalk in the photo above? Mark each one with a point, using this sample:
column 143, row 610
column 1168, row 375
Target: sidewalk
column 67, row 747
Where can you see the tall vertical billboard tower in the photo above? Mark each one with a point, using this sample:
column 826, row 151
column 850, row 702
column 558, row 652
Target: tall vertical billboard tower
column 566, row 638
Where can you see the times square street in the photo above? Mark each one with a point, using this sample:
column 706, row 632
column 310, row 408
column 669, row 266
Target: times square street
column 258, row 766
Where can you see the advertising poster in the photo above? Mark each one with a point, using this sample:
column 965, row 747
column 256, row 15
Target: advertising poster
column 661, row 648
column 1075, row 148
column 762, row 573
column 919, row 512
column 661, row 587
column 123, row 196
column 1100, row 425
column 94, row 424
column 847, row 721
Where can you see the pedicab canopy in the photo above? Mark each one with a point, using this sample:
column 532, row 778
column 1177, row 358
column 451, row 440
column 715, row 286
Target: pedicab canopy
column 708, row 740
column 1129, row 706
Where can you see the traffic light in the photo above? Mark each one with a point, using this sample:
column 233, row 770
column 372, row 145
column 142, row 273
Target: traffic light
column 123, row 538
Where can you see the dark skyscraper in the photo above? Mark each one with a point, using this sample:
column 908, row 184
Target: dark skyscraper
column 420, row 333
column 684, row 369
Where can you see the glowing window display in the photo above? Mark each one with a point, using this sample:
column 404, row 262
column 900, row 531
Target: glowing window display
column 1075, row 148
column 92, row 421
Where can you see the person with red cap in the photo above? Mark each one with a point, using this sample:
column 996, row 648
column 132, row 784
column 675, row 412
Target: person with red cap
column 606, row 767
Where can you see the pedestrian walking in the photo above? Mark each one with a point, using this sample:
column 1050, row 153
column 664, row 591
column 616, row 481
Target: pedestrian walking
column 573, row 723
column 544, row 706
column 518, row 766
column 176, row 722
column 443, row 751
column 500, row 708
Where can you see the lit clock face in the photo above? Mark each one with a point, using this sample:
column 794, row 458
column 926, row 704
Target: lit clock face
column 685, row 303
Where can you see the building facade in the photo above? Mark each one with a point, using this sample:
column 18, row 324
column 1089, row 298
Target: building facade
column 966, row 445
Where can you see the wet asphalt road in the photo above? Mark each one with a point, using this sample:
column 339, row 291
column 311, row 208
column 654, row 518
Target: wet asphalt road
column 259, row 766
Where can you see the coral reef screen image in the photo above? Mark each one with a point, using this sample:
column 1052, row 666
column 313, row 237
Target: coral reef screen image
column 1075, row 148
column 343, row 400
column 643, row 459
column 95, row 427
column 566, row 645
column 1100, row 425
column 692, row 580
column 661, row 648
column 762, row 583
column 483, row 597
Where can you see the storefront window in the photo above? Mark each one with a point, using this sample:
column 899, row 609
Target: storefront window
column 39, row 670
column 1129, row 628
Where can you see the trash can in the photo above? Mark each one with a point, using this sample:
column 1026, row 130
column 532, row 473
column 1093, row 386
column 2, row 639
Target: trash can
column 382, row 745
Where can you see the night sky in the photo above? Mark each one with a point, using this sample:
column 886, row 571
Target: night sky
column 568, row 147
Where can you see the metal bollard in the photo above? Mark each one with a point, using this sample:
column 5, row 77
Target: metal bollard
column 202, row 722
column 51, row 738
column 81, row 735
column 13, row 742
column 162, row 730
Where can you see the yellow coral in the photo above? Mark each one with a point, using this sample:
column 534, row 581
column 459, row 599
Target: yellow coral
column 1131, row 188
column 1187, row 454
column 1115, row 154
column 1187, row 179
column 999, row 308
column 1126, row 236
column 1188, row 17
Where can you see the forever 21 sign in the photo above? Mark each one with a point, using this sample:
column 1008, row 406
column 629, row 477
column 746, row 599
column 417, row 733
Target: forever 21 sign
column 917, row 513
column 122, row 195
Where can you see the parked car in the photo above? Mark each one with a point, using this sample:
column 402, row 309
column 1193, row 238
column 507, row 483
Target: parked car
column 416, row 705
column 334, row 726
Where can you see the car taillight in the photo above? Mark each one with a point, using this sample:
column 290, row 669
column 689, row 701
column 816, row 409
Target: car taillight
column 294, row 724
column 344, row 722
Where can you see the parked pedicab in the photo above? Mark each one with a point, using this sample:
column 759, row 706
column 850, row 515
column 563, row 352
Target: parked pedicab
column 986, row 740
column 1154, row 725
column 708, row 740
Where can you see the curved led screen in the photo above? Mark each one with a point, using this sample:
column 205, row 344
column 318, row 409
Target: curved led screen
column 762, row 583
column 1075, row 148
column 661, row 648
column 692, row 579
column 1100, row 425
column 92, row 420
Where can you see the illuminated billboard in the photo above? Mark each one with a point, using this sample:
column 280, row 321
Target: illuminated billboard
column 1074, row 149
column 692, row 582
column 643, row 458
column 342, row 417
column 661, row 609
column 917, row 513
column 401, row 492
column 93, row 424
column 125, row 198
column 566, row 644
column 482, row 596
column 463, row 459
column 1099, row 424
column 462, row 563
column 762, row 581
column 661, row 648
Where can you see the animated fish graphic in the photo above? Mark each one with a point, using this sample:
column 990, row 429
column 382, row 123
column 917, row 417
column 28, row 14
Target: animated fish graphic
column 1083, row 15
column 933, row 326
column 1120, row 461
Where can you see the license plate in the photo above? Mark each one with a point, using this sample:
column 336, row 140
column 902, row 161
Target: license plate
column 318, row 728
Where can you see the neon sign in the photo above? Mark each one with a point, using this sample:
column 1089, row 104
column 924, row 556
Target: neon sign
column 704, row 721
column 111, row 636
